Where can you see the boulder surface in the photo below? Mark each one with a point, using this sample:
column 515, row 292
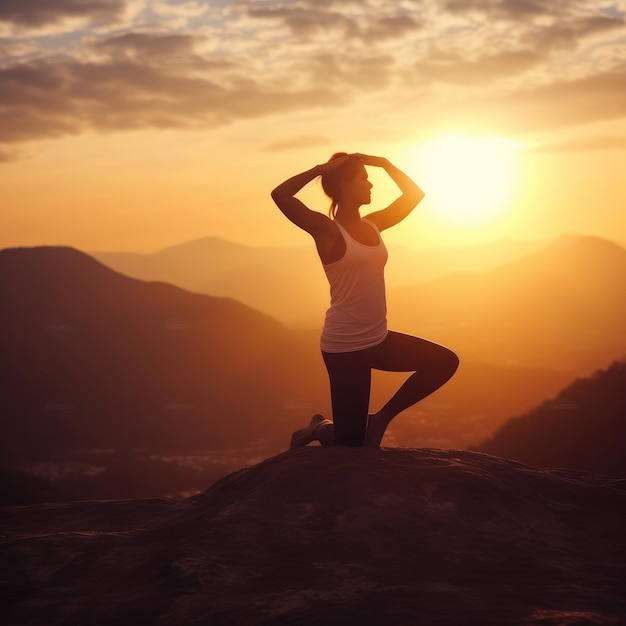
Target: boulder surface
column 331, row 535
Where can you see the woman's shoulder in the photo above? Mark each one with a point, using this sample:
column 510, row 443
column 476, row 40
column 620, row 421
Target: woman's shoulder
column 372, row 223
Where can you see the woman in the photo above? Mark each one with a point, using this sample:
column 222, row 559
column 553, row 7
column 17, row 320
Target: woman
column 355, row 338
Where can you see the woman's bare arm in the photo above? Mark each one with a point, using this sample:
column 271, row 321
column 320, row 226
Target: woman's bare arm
column 295, row 210
column 402, row 206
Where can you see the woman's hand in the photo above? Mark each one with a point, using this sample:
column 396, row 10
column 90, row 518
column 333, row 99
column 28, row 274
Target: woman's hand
column 375, row 161
column 292, row 185
column 402, row 206
column 284, row 196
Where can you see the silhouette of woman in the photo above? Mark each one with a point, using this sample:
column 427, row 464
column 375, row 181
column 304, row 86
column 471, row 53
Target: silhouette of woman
column 355, row 338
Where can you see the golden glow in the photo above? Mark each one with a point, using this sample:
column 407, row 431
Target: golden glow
column 467, row 179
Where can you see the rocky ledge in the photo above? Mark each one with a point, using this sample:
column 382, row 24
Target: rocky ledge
column 331, row 536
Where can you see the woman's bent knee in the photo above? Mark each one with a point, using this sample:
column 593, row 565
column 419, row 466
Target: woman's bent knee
column 452, row 363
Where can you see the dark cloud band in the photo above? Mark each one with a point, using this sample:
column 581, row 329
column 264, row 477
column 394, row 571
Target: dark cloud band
column 36, row 13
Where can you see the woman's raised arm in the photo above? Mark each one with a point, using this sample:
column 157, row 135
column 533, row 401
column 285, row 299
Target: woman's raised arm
column 402, row 206
column 294, row 209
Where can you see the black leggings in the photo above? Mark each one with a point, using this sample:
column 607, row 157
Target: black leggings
column 350, row 380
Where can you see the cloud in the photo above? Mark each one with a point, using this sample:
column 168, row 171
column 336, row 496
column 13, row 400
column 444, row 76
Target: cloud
column 567, row 33
column 561, row 104
column 49, row 100
column 584, row 144
column 192, row 8
column 297, row 143
column 17, row 49
column 453, row 69
column 392, row 27
column 510, row 9
column 518, row 63
column 349, row 71
column 150, row 43
column 157, row 80
column 156, row 48
column 307, row 21
column 36, row 13
column 518, row 110
column 10, row 156
column 596, row 97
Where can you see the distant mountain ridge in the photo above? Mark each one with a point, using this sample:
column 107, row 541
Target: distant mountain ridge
column 560, row 307
column 92, row 358
column 583, row 427
column 555, row 306
column 288, row 283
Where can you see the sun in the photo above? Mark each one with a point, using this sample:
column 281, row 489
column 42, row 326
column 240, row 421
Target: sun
column 467, row 179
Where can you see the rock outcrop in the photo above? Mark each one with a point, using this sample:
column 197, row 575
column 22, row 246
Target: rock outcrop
column 331, row 536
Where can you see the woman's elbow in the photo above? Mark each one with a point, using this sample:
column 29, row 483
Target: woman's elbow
column 414, row 198
column 418, row 196
column 276, row 195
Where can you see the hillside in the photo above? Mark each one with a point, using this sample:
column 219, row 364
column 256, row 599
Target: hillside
column 331, row 536
column 288, row 283
column 552, row 306
column 560, row 308
column 285, row 283
column 93, row 359
column 583, row 427
column 109, row 384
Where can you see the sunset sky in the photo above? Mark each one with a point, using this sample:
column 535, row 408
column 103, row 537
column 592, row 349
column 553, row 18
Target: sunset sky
column 139, row 124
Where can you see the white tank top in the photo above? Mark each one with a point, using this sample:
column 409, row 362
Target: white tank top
column 357, row 317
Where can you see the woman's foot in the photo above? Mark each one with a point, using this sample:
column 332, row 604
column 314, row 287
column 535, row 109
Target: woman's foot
column 305, row 436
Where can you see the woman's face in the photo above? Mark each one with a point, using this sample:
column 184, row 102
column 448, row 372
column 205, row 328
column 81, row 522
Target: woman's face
column 358, row 187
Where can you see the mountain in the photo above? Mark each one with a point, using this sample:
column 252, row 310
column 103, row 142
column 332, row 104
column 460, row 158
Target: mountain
column 583, row 427
column 94, row 359
column 478, row 399
column 108, row 384
column 331, row 536
column 288, row 283
column 559, row 308
column 285, row 283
